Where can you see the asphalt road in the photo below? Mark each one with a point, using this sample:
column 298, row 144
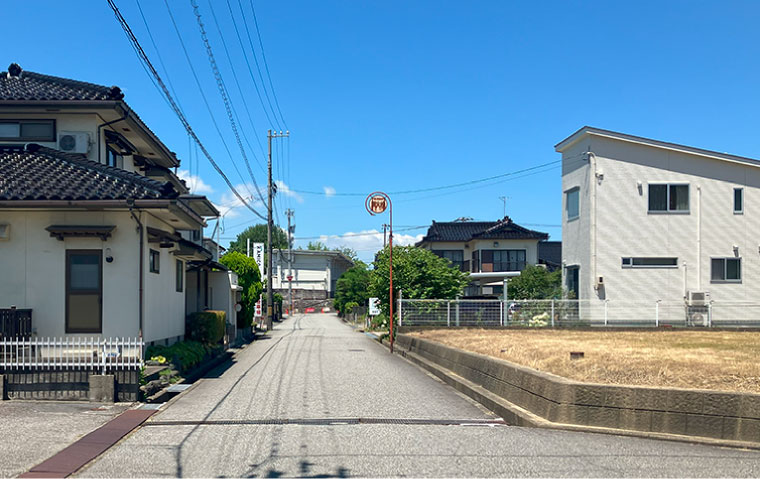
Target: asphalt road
column 316, row 368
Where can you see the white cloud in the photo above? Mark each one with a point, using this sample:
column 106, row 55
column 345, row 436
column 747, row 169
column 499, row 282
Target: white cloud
column 367, row 242
column 284, row 189
column 195, row 183
column 329, row 191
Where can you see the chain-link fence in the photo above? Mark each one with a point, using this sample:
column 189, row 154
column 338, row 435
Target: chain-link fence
column 567, row 312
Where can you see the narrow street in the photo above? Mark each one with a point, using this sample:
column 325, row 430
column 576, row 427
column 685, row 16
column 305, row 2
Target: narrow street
column 290, row 404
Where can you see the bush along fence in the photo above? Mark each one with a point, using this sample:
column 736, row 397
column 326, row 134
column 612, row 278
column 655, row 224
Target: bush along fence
column 573, row 312
column 77, row 368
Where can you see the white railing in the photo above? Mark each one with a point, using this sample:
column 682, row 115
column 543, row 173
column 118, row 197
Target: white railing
column 71, row 353
column 566, row 312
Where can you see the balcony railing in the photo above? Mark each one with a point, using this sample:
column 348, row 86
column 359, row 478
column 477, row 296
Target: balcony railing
column 15, row 323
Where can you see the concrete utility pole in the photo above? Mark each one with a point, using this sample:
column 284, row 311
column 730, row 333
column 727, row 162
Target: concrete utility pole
column 384, row 237
column 291, row 229
column 270, row 285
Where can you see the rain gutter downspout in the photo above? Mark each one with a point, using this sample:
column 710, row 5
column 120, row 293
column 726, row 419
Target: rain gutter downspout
column 141, row 272
column 125, row 115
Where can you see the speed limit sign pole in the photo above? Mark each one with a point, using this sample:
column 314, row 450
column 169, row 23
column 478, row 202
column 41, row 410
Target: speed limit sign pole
column 376, row 203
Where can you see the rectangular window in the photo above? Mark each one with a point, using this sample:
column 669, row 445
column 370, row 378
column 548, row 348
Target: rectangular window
column 502, row 260
column 726, row 269
column 738, row 200
column 154, row 261
column 113, row 158
column 455, row 256
column 572, row 203
column 27, row 130
column 669, row 198
column 650, row 262
column 180, row 278
column 84, row 288
column 475, row 261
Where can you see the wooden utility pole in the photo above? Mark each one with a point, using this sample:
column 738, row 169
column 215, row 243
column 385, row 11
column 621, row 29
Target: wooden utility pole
column 270, row 285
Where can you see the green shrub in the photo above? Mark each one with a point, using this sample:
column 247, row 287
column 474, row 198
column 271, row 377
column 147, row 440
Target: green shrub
column 207, row 327
column 185, row 355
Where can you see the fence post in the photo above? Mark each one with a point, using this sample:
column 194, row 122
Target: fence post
column 552, row 312
column 606, row 301
column 400, row 299
column 709, row 314
column 448, row 313
column 657, row 313
column 456, row 316
column 501, row 312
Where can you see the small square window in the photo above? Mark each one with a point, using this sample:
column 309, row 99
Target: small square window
column 669, row 198
column 154, row 261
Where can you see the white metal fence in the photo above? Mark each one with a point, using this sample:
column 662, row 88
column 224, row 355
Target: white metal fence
column 566, row 312
column 105, row 354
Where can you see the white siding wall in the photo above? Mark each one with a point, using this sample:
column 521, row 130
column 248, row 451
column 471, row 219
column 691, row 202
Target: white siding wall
column 626, row 228
column 576, row 234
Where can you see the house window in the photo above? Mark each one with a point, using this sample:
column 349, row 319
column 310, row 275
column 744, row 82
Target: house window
column 475, row 261
column 113, row 158
column 502, row 260
column 180, row 275
column 738, row 200
column 572, row 203
column 154, row 261
column 572, row 281
column 27, row 130
column 455, row 256
column 650, row 262
column 669, row 198
column 726, row 269
column 84, row 288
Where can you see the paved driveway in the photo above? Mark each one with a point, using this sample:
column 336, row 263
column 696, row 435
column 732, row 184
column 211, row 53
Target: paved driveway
column 289, row 407
column 32, row 431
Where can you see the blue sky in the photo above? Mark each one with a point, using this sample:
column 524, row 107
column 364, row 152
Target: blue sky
column 399, row 95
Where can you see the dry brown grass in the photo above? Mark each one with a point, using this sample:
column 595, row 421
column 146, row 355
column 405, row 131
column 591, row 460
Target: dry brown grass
column 720, row 360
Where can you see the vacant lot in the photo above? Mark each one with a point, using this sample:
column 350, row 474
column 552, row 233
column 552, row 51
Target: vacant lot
column 728, row 361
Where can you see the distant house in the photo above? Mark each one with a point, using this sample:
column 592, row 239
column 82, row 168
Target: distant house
column 96, row 230
column 647, row 220
column 489, row 250
column 314, row 274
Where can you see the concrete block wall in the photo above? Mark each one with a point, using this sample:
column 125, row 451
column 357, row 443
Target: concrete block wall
column 69, row 385
column 710, row 414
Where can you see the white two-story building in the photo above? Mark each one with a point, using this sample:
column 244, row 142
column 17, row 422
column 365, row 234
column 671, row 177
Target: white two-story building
column 646, row 221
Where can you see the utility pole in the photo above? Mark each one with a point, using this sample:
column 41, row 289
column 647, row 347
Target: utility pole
column 290, row 214
column 270, row 191
column 384, row 238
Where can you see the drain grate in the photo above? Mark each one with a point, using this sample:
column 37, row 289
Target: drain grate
column 333, row 422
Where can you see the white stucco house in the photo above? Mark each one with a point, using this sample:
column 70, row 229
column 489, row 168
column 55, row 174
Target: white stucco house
column 490, row 251
column 314, row 274
column 96, row 230
column 646, row 220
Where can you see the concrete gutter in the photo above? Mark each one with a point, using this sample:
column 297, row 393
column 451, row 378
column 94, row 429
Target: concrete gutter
column 526, row 397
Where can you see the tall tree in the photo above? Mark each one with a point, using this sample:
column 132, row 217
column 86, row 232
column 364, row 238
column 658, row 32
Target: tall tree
column 352, row 287
column 317, row 246
column 419, row 273
column 258, row 234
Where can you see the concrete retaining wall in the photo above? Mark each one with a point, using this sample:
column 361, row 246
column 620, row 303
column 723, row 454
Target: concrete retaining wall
column 67, row 385
column 717, row 415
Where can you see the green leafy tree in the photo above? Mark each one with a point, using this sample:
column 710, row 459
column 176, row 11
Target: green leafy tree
column 258, row 234
column 348, row 252
column 317, row 246
column 249, row 279
column 536, row 282
column 418, row 272
column 352, row 287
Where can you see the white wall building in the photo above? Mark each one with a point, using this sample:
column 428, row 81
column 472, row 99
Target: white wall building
column 315, row 274
column 646, row 220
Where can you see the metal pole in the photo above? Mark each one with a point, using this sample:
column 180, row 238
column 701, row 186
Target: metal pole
column 289, row 212
column 552, row 313
column 390, row 242
column 248, row 247
column 448, row 314
column 456, row 316
column 605, row 311
column 657, row 313
column 400, row 309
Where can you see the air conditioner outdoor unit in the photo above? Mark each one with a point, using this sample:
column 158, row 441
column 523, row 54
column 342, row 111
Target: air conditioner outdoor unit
column 74, row 141
column 698, row 318
column 697, row 298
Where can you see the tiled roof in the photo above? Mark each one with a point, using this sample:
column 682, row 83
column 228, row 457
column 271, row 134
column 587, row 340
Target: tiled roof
column 468, row 230
column 38, row 173
column 18, row 84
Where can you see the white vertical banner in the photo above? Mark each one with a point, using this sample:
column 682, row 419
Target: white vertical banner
column 258, row 256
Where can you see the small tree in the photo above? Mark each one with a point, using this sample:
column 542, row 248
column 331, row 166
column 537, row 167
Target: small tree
column 258, row 234
column 352, row 287
column 418, row 272
column 317, row 246
column 536, row 282
column 249, row 279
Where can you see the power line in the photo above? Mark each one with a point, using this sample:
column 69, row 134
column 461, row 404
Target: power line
column 145, row 61
column 223, row 92
column 266, row 65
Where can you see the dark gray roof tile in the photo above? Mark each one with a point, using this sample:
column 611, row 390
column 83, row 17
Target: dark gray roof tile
column 17, row 84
